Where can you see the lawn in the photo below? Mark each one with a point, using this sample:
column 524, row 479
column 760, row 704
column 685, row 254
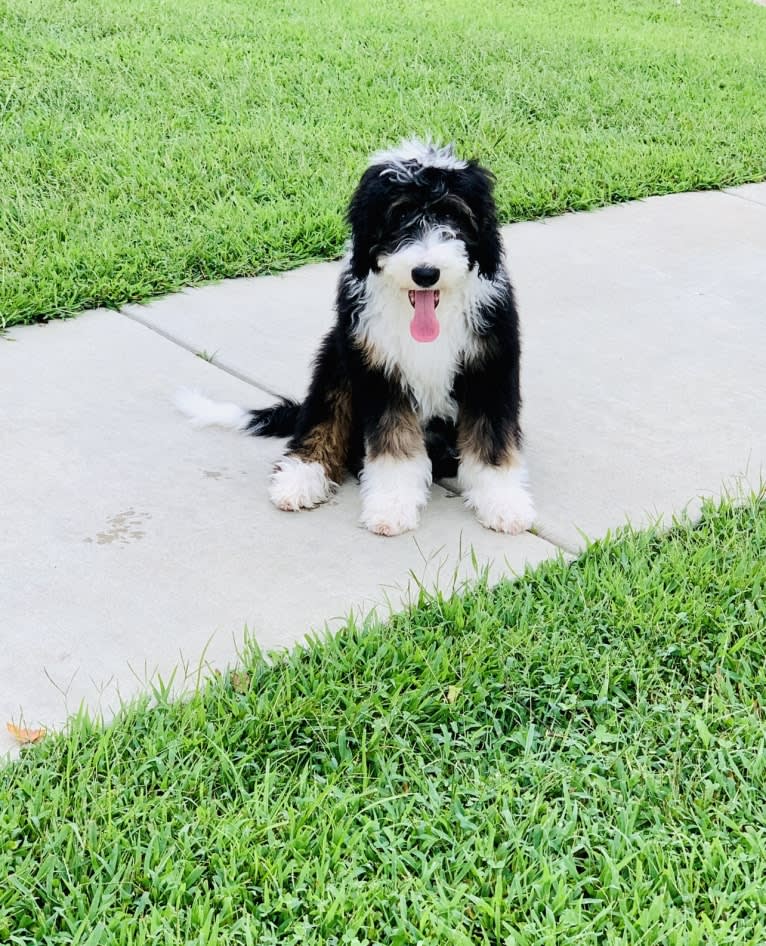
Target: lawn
column 147, row 145
column 574, row 759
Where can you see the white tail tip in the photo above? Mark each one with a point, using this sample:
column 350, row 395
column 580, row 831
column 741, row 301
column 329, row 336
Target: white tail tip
column 203, row 412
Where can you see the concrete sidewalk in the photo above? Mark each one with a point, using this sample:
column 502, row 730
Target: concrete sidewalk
column 132, row 543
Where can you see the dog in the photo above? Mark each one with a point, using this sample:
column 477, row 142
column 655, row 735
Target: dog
column 419, row 377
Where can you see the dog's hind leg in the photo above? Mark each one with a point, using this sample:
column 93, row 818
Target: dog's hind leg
column 317, row 454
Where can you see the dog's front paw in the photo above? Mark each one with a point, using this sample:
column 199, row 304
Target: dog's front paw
column 390, row 518
column 393, row 493
column 296, row 484
column 509, row 510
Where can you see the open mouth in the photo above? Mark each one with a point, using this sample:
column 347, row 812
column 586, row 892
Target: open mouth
column 424, row 326
column 434, row 292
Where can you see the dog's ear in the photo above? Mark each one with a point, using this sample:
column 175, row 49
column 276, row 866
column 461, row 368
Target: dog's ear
column 479, row 184
column 364, row 215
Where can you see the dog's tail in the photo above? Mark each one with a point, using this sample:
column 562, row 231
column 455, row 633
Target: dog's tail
column 279, row 420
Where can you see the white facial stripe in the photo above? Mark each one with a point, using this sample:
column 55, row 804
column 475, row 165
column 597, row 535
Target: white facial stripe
column 436, row 248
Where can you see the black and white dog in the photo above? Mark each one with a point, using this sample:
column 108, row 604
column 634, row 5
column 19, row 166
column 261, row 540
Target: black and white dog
column 419, row 377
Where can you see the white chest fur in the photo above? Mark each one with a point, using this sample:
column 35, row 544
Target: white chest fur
column 427, row 369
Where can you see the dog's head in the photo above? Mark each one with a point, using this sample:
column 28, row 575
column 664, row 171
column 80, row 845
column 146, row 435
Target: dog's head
column 424, row 220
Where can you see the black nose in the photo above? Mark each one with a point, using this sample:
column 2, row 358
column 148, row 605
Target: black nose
column 425, row 276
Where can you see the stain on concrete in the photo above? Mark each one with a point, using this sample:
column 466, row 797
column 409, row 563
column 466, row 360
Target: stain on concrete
column 124, row 528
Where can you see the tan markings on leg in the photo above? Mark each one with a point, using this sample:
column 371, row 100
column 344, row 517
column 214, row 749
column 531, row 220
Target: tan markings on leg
column 398, row 435
column 328, row 442
column 475, row 440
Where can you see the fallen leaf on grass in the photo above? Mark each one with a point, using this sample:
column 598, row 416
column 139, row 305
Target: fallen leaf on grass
column 240, row 681
column 24, row 736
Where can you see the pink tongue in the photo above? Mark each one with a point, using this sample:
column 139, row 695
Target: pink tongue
column 424, row 326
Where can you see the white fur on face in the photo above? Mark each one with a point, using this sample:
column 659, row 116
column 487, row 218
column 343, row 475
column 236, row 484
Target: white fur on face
column 437, row 248
column 498, row 495
column 427, row 369
column 296, row 484
column 393, row 493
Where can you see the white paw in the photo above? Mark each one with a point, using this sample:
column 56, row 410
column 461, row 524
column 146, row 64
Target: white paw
column 393, row 493
column 510, row 511
column 390, row 518
column 296, row 484
column 498, row 495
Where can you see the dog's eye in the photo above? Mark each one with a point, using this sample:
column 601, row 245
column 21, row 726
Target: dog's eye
column 458, row 215
column 399, row 214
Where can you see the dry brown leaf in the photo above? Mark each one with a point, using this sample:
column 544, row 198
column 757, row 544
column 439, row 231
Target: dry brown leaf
column 24, row 736
column 240, row 681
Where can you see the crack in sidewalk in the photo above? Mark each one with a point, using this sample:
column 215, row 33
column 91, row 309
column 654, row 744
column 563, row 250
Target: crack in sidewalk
column 750, row 200
column 217, row 363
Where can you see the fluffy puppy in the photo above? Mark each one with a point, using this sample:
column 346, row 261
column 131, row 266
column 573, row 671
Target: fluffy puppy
column 419, row 376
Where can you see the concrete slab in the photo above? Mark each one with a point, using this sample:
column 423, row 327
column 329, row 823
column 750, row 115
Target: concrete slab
column 754, row 192
column 266, row 329
column 131, row 542
column 644, row 330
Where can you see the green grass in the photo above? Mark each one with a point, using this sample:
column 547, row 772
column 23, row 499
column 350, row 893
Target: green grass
column 575, row 758
column 146, row 145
